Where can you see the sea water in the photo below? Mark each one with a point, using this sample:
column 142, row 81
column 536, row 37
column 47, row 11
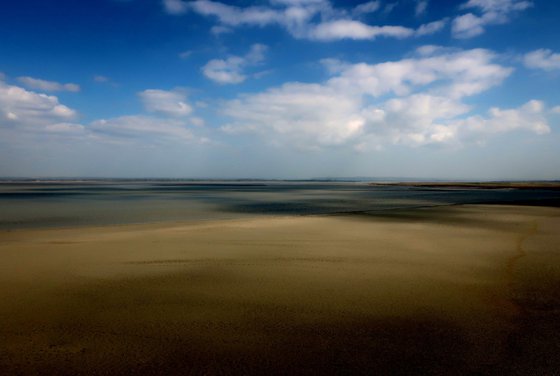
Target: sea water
column 38, row 204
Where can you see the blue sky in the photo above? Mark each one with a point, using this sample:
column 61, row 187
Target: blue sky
column 465, row 89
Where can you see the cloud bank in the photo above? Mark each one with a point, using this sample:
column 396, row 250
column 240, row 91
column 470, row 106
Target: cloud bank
column 415, row 101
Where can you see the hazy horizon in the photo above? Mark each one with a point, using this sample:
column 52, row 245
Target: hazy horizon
column 357, row 179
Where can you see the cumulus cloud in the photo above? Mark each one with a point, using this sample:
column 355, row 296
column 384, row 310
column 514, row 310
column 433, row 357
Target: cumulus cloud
column 307, row 114
column 542, row 59
column 414, row 101
column 311, row 19
column 460, row 74
column 44, row 85
column 468, row 26
column 530, row 116
column 231, row 69
column 170, row 103
column 226, row 71
column 491, row 12
column 424, row 119
column 27, row 109
column 25, row 114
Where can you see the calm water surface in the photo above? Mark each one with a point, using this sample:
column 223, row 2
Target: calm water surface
column 66, row 204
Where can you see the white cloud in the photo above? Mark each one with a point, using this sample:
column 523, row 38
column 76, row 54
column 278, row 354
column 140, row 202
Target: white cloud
column 196, row 121
column 314, row 20
column 170, row 103
column 307, row 114
column 468, row 26
column 492, row 12
column 366, row 8
column 413, row 101
column 413, row 120
column 66, row 128
column 349, row 29
column 27, row 109
column 226, row 71
column 530, row 116
column 430, row 28
column 542, row 59
column 299, row 2
column 25, row 114
column 231, row 70
column 175, row 6
column 44, row 85
column 464, row 73
column 234, row 16
column 424, row 119
column 140, row 126
column 500, row 6
column 256, row 54
column 171, row 123
column 421, row 7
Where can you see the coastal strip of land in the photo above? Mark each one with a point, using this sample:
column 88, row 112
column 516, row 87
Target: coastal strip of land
column 546, row 185
column 471, row 289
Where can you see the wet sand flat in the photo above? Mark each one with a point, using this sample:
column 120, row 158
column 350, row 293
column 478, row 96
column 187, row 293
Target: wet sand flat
column 452, row 290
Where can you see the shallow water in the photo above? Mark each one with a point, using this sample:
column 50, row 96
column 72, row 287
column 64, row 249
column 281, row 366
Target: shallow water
column 68, row 204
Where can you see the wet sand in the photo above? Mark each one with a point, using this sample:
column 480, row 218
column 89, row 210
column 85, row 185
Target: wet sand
column 442, row 291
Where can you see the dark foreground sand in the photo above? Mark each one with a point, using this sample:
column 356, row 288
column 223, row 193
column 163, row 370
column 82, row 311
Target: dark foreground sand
column 448, row 291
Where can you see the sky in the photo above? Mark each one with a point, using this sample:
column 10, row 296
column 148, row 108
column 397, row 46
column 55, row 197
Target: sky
column 287, row 89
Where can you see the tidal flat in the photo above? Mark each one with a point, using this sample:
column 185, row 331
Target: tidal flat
column 461, row 289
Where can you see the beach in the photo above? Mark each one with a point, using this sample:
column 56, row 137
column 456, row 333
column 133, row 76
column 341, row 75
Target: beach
column 446, row 290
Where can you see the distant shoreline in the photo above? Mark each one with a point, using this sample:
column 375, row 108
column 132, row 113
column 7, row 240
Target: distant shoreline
column 405, row 182
column 549, row 185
